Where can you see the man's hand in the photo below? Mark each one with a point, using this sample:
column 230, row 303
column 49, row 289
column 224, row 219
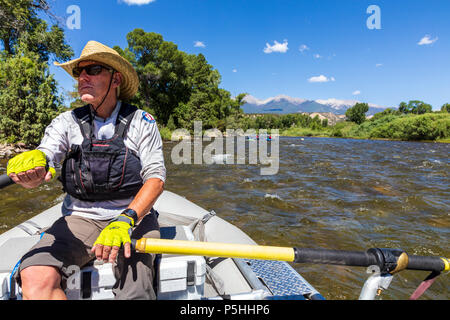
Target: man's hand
column 108, row 243
column 28, row 169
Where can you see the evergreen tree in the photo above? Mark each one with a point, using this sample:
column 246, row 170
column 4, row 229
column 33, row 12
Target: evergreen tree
column 28, row 98
column 20, row 25
column 28, row 93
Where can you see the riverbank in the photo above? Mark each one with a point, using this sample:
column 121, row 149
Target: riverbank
column 429, row 127
column 304, row 132
column 9, row 150
column 331, row 132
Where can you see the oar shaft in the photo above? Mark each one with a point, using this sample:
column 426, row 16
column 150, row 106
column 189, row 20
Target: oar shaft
column 389, row 260
column 5, row 181
column 214, row 249
column 336, row 257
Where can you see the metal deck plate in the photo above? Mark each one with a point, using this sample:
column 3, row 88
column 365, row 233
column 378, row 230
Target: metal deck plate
column 280, row 278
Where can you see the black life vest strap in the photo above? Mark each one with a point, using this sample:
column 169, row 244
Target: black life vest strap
column 123, row 121
column 84, row 118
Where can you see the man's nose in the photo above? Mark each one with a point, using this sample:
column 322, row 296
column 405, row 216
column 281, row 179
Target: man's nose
column 83, row 75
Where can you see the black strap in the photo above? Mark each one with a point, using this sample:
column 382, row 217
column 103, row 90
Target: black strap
column 83, row 116
column 126, row 114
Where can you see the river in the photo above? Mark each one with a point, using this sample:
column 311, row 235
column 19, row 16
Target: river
column 328, row 193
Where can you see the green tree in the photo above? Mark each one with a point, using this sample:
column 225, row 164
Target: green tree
column 176, row 87
column 74, row 96
column 403, row 107
column 21, row 26
column 161, row 70
column 28, row 98
column 446, row 108
column 415, row 107
column 357, row 113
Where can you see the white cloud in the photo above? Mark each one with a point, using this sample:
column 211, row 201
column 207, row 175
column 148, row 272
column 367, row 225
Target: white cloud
column 427, row 40
column 137, row 2
column 379, row 65
column 321, row 78
column 317, row 56
column 234, row 70
column 303, row 47
column 277, row 47
column 357, row 92
column 199, row 44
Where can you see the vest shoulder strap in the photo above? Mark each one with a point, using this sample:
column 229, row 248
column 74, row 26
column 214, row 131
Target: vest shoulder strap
column 84, row 119
column 126, row 114
column 83, row 116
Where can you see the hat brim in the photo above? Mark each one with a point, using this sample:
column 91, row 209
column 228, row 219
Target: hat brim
column 130, row 79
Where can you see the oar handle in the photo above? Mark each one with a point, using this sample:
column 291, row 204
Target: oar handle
column 5, row 181
column 389, row 260
column 437, row 264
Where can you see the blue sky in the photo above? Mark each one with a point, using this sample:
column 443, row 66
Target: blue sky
column 310, row 49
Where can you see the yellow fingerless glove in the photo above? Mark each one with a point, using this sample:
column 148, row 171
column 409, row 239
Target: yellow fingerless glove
column 28, row 160
column 116, row 233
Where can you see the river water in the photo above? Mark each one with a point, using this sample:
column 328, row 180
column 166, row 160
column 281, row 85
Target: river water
column 328, row 193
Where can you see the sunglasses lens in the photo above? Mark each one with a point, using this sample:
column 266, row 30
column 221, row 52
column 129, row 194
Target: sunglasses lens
column 91, row 70
column 94, row 70
column 76, row 72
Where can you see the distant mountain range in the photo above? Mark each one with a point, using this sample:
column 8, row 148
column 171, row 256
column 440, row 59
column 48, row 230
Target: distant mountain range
column 283, row 104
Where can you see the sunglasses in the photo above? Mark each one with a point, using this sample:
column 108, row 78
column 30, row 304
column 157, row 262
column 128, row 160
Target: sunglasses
column 92, row 70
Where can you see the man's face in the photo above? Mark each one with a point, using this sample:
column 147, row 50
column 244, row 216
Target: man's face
column 92, row 88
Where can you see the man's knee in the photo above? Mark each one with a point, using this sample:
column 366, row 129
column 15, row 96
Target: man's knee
column 37, row 281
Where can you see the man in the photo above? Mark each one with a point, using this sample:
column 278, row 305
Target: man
column 113, row 172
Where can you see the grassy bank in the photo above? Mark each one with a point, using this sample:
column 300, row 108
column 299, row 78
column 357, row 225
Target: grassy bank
column 406, row 127
column 433, row 126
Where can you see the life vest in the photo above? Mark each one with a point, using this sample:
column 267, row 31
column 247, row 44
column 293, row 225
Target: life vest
column 98, row 169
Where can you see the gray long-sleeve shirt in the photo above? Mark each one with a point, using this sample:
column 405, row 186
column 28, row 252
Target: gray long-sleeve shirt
column 142, row 137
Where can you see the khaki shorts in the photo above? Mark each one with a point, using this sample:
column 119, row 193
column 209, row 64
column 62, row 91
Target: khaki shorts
column 69, row 241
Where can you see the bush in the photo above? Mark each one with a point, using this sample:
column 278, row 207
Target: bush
column 430, row 126
column 165, row 132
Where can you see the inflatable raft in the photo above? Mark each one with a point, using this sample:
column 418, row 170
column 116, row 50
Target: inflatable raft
column 178, row 277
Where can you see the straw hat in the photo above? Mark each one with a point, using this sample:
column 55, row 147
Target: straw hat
column 96, row 51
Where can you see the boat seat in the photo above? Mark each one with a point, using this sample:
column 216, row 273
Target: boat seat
column 13, row 249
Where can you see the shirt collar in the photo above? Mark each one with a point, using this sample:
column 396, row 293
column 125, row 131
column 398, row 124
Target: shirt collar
column 113, row 115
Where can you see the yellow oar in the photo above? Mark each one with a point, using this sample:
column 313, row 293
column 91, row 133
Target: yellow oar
column 214, row 249
column 389, row 260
